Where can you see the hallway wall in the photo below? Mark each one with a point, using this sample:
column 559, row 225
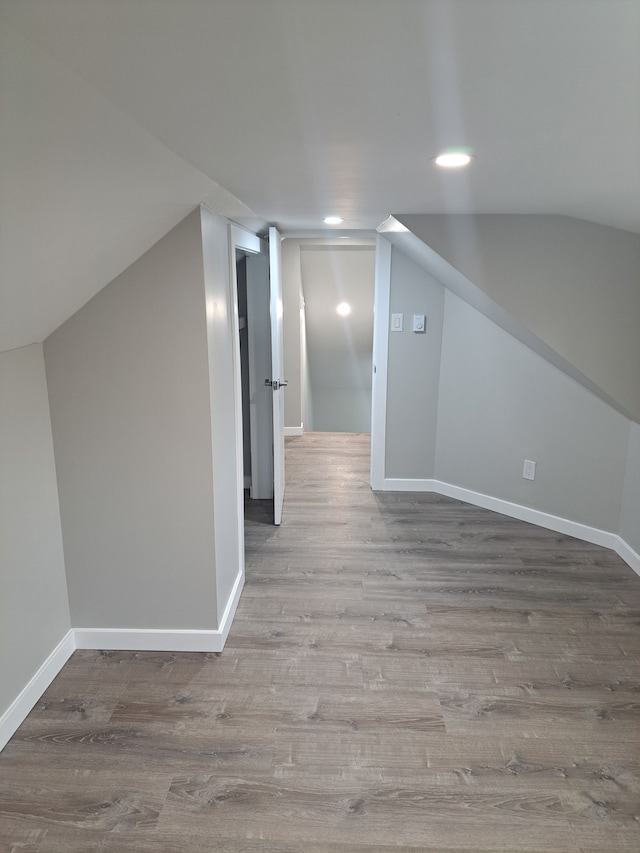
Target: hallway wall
column 496, row 403
column 129, row 390
column 413, row 372
column 34, row 611
column 328, row 357
column 297, row 404
column 574, row 284
column 500, row 403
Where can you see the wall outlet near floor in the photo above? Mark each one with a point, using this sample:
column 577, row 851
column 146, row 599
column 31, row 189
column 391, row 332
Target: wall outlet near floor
column 529, row 470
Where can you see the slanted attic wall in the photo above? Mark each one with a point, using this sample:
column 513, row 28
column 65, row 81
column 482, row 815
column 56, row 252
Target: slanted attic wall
column 129, row 393
column 573, row 284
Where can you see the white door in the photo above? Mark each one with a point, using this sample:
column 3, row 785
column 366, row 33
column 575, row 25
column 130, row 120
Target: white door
column 276, row 379
column 260, row 396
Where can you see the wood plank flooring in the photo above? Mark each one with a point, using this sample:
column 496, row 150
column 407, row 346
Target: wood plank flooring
column 405, row 673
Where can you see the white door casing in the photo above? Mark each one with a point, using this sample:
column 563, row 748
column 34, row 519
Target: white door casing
column 276, row 379
column 260, row 395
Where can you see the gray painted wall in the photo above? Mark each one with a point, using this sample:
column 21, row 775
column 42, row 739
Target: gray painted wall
column 341, row 409
column 130, row 408
column 468, row 403
column 34, row 611
column 574, row 284
column 630, row 515
column 339, row 349
column 413, row 372
column 293, row 336
column 306, row 395
column 329, row 375
column 500, row 403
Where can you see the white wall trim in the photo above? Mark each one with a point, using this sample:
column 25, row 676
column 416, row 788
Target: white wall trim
column 626, row 552
column 381, row 299
column 163, row 639
column 137, row 639
column 149, row 639
column 16, row 713
column 522, row 513
column 532, row 516
column 230, row 610
column 294, row 430
column 398, row 484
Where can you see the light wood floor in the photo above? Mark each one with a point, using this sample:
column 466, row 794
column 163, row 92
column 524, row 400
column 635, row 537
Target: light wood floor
column 405, row 673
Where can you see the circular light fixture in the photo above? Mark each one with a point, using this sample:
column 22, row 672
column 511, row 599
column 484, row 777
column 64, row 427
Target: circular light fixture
column 333, row 220
column 453, row 159
column 343, row 309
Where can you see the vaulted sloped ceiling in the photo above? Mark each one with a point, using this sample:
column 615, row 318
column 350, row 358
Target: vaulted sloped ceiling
column 118, row 116
column 84, row 190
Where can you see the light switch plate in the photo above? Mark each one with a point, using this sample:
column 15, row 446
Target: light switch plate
column 419, row 323
column 396, row 322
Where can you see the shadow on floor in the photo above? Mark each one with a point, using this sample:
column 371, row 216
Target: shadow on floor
column 257, row 512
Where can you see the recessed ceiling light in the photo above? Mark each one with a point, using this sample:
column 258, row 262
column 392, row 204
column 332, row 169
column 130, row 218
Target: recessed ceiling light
column 333, row 220
column 343, row 309
column 453, row 159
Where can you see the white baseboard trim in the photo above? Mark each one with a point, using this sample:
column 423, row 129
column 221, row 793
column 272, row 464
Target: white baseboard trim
column 631, row 557
column 522, row 513
column 397, row 484
column 149, row 639
column 230, row 610
column 120, row 639
column 163, row 639
column 16, row 713
column 533, row 516
column 294, row 430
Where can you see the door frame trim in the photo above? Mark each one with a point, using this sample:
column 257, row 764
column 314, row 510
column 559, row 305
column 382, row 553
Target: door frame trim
column 239, row 239
column 381, row 309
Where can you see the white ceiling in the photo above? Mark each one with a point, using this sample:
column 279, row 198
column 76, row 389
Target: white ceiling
column 117, row 117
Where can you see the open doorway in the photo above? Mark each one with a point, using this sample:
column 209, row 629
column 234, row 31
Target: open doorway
column 258, row 366
column 255, row 355
column 329, row 354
